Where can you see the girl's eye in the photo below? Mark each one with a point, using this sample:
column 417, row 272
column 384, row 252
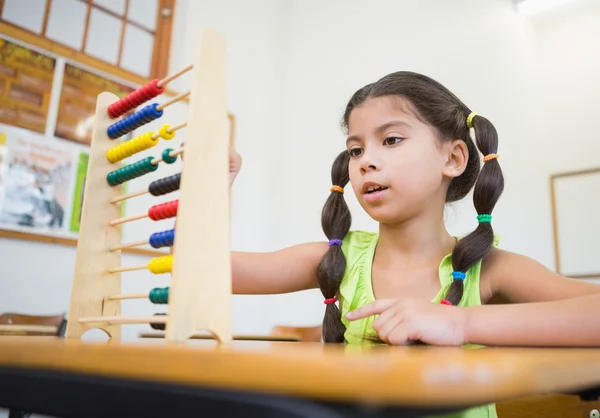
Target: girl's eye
column 355, row 152
column 391, row 140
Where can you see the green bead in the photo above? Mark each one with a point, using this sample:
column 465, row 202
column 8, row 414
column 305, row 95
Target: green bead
column 159, row 296
column 167, row 158
column 131, row 171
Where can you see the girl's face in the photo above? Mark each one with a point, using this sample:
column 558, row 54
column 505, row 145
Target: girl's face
column 398, row 167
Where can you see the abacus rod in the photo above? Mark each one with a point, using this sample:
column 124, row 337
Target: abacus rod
column 170, row 130
column 129, row 245
column 173, row 100
column 174, row 128
column 128, row 268
column 127, row 219
column 171, row 154
column 128, row 196
column 172, row 77
column 130, row 296
column 159, row 319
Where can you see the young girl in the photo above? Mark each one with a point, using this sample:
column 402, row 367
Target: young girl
column 408, row 152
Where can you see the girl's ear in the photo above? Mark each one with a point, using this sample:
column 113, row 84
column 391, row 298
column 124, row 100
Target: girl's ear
column 457, row 157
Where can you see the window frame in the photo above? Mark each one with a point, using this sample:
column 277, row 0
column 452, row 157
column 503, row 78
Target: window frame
column 160, row 53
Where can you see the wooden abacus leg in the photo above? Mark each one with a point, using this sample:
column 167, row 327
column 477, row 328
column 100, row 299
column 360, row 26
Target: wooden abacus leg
column 200, row 295
column 93, row 284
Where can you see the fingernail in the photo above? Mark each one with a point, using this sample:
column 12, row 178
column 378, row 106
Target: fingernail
column 349, row 315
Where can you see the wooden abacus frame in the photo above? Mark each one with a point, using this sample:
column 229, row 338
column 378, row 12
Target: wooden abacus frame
column 200, row 288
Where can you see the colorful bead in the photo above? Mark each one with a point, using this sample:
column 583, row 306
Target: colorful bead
column 162, row 239
column 131, row 171
column 165, row 185
column 134, row 99
column 459, row 275
column 167, row 158
column 133, row 146
column 163, row 210
column 158, row 326
column 165, row 134
column 159, row 296
column 132, row 122
column 445, row 302
column 160, row 265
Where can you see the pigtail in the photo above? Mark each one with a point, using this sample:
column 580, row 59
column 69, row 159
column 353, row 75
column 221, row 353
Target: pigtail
column 335, row 221
column 488, row 188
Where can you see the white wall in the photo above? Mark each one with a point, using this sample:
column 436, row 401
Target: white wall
column 569, row 93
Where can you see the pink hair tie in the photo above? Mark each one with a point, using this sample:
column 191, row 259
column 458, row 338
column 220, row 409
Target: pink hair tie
column 329, row 301
column 446, row 302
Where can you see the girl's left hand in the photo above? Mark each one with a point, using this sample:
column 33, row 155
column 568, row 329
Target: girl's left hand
column 402, row 321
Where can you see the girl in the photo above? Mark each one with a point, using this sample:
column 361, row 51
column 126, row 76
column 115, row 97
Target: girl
column 408, row 152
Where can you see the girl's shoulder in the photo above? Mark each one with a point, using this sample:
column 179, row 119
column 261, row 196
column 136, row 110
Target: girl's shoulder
column 357, row 243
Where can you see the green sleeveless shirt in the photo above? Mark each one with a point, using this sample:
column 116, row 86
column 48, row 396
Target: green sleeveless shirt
column 356, row 290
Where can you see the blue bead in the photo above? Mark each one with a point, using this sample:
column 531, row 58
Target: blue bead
column 132, row 122
column 162, row 239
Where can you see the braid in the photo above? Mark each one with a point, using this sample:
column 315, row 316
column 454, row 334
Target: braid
column 488, row 188
column 335, row 221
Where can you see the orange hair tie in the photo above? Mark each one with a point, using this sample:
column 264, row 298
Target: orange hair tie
column 490, row 157
column 337, row 189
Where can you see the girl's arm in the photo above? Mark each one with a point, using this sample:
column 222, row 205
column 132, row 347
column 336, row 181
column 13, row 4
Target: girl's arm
column 284, row 271
column 548, row 309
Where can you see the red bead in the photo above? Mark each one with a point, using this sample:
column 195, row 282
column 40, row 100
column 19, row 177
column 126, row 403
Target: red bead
column 134, row 99
column 163, row 210
column 446, row 302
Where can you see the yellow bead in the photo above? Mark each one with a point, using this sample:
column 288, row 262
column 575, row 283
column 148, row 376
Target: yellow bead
column 133, row 146
column 165, row 134
column 160, row 265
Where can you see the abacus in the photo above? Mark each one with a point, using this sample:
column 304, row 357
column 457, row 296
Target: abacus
column 199, row 295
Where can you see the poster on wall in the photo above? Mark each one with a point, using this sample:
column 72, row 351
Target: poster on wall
column 35, row 183
column 25, row 86
column 77, row 104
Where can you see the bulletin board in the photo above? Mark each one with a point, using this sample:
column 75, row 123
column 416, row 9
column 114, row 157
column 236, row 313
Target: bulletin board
column 43, row 158
column 576, row 225
column 26, row 78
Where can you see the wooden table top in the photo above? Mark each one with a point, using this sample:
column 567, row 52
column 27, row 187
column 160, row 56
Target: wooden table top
column 417, row 375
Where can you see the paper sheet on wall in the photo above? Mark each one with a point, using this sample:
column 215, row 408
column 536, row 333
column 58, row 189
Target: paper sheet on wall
column 35, row 183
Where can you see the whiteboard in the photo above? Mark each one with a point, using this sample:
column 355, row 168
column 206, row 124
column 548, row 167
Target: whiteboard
column 577, row 223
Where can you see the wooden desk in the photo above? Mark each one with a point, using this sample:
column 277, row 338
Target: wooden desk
column 152, row 378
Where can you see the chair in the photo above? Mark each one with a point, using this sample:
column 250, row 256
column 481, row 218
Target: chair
column 32, row 325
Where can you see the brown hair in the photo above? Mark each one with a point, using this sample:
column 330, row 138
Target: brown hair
column 439, row 108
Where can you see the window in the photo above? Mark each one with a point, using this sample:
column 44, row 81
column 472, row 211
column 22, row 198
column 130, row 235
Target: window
column 128, row 38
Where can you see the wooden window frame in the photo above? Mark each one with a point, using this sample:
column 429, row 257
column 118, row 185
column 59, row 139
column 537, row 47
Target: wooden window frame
column 160, row 53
